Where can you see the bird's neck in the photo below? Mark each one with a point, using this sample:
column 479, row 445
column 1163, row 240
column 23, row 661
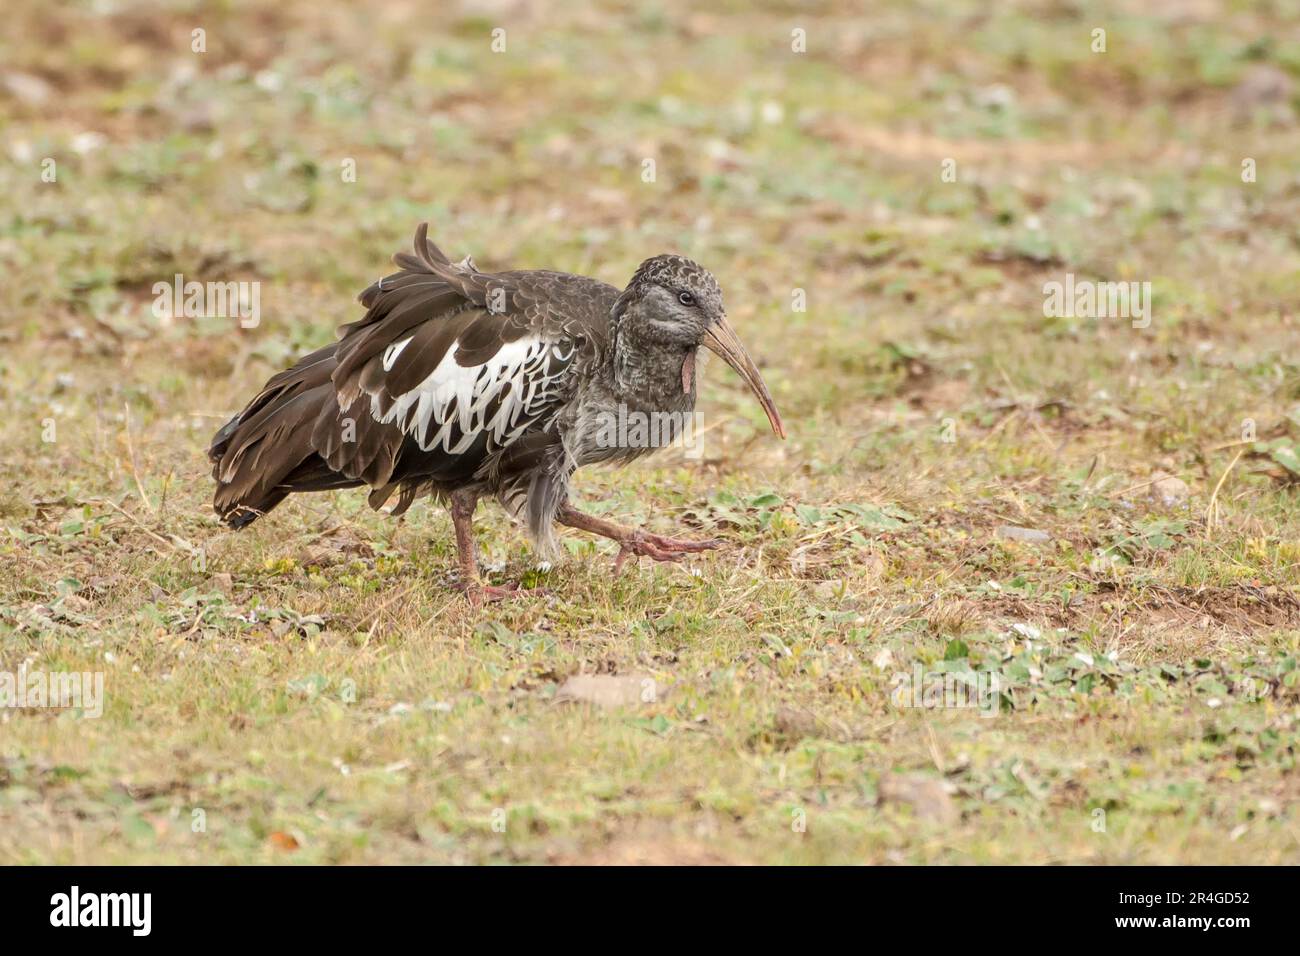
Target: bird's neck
column 648, row 375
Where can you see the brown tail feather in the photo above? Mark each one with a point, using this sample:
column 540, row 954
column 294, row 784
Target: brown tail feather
column 265, row 452
column 289, row 438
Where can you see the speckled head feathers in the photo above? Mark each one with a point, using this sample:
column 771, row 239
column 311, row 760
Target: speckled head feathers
column 678, row 274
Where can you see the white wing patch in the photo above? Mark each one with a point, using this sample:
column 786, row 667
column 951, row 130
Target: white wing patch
column 394, row 350
column 520, row 378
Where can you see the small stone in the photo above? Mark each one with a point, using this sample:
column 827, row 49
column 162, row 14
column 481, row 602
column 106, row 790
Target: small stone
column 873, row 567
column 927, row 796
column 1011, row 532
column 197, row 119
column 829, row 590
column 1168, row 490
column 1262, row 85
column 27, row 89
column 608, row 690
column 796, row 723
column 85, row 143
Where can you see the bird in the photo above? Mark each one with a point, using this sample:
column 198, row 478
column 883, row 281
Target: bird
column 462, row 385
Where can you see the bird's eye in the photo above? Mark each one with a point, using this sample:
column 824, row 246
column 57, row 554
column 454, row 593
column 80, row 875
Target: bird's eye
column 685, row 298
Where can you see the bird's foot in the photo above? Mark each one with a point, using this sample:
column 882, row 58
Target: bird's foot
column 633, row 543
column 646, row 544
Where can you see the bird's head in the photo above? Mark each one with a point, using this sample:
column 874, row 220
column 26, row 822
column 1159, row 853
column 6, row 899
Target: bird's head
column 675, row 303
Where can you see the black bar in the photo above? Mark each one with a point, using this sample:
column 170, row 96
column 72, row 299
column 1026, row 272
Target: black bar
column 331, row 905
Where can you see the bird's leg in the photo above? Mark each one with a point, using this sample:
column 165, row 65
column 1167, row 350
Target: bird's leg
column 462, row 518
column 631, row 541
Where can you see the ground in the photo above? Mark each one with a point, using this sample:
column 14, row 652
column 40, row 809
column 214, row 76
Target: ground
column 883, row 194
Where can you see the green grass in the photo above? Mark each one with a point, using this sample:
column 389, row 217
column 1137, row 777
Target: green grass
column 312, row 689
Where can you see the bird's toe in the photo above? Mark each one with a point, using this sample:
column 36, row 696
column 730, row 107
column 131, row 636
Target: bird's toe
column 664, row 543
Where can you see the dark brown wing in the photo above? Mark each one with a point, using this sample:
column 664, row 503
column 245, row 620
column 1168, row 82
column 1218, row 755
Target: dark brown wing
column 448, row 367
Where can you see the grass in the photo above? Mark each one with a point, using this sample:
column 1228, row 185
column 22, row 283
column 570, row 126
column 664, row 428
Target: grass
column 311, row 690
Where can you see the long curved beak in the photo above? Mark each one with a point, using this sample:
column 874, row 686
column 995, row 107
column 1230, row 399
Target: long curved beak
column 721, row 339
